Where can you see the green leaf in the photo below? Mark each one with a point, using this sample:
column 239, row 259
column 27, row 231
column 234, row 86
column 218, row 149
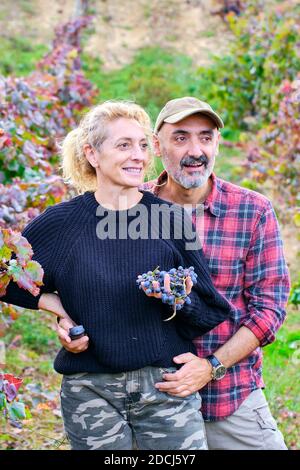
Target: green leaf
column 19, row 245
column 14, row 270
column 296, row 219
column 16, row 410
column 5, row 253
column 22, row 278
column 2, row 401
column 27, row 413
column 35, row 271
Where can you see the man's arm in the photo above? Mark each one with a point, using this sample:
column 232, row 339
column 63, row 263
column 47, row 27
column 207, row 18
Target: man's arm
column 266, row 290
column 267, row 281
column 52, row 303
column 196, row 372
column 238, row 347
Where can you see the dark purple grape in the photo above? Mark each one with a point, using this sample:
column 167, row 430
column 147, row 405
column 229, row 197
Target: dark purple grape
column 177, row 285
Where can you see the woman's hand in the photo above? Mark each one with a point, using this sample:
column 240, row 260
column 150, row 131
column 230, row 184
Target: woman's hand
column 167, row 287
column 52, row 303
column 74, row 346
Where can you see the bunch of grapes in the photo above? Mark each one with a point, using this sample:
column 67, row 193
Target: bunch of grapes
column 169, row 286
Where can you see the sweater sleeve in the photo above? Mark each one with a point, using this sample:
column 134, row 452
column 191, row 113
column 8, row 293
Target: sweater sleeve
column 42, row 234
column 208, row 307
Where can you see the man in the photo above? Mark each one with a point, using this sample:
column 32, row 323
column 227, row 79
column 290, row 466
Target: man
column 243, row 249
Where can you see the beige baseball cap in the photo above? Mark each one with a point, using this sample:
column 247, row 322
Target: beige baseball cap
column 180, row 108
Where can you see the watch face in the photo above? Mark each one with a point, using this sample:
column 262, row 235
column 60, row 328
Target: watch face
column 220, row 372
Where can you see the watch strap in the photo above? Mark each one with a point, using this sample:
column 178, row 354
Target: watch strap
column 213, row 360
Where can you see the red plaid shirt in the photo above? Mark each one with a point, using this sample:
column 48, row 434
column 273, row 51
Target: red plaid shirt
column 243, row 248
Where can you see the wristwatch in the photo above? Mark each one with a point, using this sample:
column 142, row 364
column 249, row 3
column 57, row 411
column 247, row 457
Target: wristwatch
column 218, row 369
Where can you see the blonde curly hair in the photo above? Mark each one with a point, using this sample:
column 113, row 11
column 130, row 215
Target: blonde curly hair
column 92, row 130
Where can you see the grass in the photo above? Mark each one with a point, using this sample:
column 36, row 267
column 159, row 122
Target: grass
column 282, row 378
column 31, row 356
column 146, row 80
column 35, row 334
column 18, row 55
column 27, row 7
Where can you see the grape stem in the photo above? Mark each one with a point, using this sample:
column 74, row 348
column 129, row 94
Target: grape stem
column 173, row 315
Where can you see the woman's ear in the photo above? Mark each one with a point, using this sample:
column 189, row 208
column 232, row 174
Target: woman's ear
column 91, row 155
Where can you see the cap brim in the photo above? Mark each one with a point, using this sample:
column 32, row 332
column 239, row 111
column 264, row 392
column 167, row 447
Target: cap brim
column 189, row 112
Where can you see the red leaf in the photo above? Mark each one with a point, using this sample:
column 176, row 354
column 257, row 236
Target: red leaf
column 16, row 381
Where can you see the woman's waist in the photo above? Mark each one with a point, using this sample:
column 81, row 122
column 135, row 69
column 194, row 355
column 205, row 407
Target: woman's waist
column 121, row 358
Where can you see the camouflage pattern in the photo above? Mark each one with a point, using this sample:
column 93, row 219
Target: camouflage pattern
column 111, row 411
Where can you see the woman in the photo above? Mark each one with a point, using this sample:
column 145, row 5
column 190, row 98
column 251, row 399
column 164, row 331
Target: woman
column 91, row 254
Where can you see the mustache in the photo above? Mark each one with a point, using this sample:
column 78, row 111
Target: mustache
column 191, row 159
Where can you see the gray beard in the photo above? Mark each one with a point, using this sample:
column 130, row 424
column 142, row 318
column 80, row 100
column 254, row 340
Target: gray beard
column 187, row 181
column 196, row 182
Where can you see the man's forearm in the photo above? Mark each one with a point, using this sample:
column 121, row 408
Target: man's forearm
column 52, row 303
column 239, row 346
column 196, row 371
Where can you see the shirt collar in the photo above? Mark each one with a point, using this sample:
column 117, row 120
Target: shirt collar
column 214, row 199
column 213, row 202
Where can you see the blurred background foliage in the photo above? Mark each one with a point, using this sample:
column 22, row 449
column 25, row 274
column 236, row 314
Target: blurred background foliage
column 254, row 83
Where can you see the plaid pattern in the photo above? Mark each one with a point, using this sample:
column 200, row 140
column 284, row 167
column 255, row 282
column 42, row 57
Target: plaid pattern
column 243, row 248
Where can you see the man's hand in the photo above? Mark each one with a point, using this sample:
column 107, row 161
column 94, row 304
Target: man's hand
column 193, row 376
column 75, row 346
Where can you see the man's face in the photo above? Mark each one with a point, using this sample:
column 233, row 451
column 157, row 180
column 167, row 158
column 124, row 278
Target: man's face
column 188, row 149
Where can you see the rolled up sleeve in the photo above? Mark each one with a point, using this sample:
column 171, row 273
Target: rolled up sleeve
column 267, row 281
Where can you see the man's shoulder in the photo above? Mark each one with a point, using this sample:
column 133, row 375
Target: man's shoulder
column 234, row 194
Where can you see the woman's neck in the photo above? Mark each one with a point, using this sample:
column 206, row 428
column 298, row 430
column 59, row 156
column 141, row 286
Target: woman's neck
column 118, row 198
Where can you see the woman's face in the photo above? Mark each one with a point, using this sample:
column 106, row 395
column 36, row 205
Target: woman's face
column 124, row 154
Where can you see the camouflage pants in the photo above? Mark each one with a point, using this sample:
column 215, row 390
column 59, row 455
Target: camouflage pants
column 111, row 411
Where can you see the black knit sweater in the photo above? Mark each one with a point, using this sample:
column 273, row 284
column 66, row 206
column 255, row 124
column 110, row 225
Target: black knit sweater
column 96, row 281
